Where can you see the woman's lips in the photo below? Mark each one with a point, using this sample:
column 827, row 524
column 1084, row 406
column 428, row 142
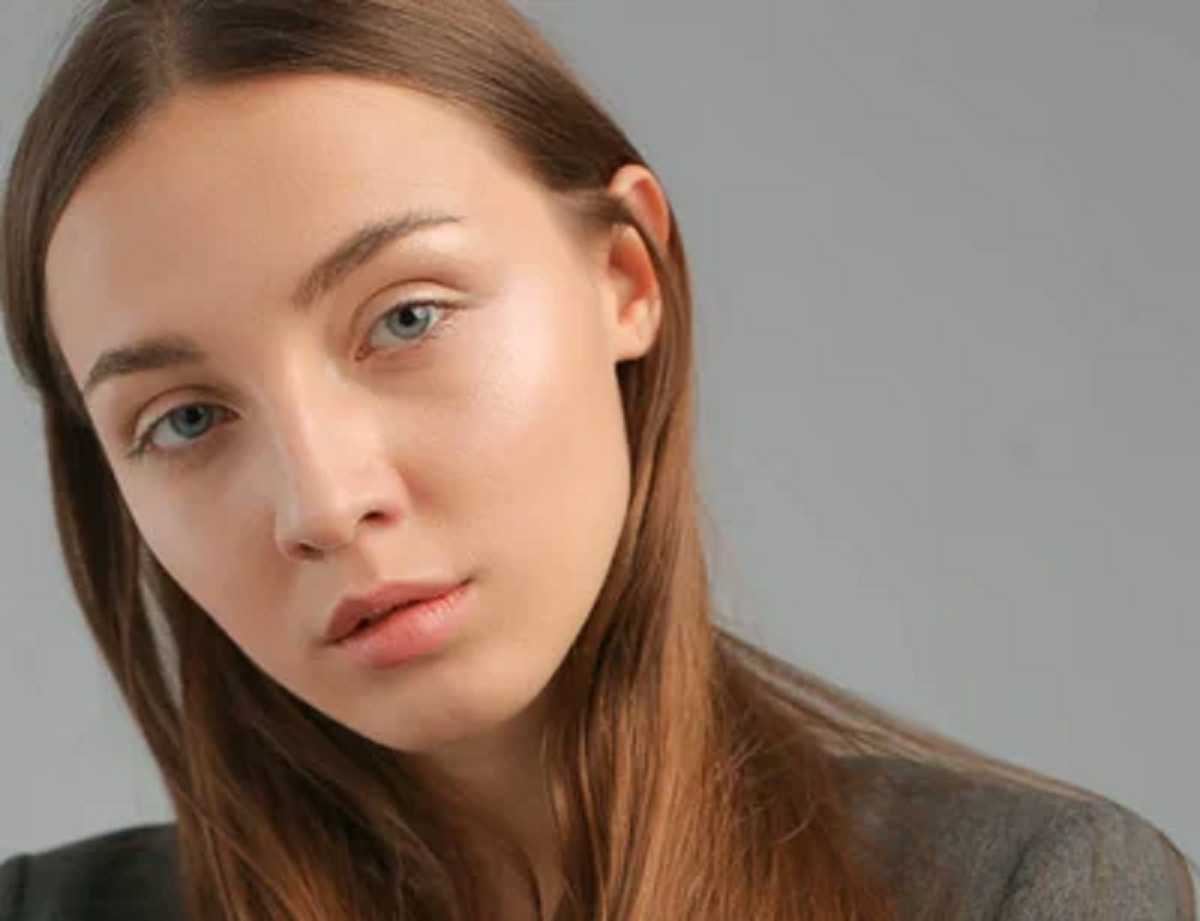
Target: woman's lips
column 410, row 631
column 385, row 597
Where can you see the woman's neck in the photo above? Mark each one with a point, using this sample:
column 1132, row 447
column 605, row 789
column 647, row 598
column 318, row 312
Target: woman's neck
column 502, row 772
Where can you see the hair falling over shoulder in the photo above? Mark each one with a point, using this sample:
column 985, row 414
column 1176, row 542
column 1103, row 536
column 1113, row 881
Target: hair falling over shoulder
column 693, row 775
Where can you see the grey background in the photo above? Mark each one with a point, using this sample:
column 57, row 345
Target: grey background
column 945, row 258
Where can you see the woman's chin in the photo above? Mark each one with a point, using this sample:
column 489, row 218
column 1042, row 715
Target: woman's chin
column 473, row 723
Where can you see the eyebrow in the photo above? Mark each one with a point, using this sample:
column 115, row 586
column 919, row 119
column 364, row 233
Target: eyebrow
column 159, row 352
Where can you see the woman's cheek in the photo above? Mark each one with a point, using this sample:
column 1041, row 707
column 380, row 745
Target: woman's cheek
column 516, row 389
column 203, row 546
column 545, row 436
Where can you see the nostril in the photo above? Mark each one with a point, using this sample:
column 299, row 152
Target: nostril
column 309, row 551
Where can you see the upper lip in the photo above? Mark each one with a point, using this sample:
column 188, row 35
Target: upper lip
column 353, row 609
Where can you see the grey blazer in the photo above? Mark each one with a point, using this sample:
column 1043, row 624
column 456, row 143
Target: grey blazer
column 1011, row 855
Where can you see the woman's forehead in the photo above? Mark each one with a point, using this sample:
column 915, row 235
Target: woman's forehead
column 285, row 144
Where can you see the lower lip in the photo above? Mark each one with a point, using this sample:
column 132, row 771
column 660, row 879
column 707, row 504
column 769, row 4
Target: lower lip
column 408, row 633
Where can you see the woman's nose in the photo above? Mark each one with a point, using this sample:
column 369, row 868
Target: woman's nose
column 334, row 476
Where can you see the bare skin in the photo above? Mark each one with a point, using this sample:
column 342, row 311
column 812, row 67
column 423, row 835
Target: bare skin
column 317, row 452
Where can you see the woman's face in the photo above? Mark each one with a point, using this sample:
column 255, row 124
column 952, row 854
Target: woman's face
column 443, row 406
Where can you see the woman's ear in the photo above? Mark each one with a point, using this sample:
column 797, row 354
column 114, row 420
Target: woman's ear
column 630, row 288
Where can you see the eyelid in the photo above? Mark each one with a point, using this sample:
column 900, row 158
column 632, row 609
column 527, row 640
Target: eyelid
column 397, row 295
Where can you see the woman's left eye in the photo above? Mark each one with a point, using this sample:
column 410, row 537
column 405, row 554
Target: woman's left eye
column 412, row 320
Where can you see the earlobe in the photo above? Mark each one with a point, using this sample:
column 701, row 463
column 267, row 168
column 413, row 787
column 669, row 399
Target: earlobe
column 635, row 295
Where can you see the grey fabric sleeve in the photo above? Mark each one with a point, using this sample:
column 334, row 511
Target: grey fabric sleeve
column 127, row 875
column 12, row 885
column 1094, row 861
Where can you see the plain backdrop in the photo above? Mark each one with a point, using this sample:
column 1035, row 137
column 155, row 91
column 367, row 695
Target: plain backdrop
column 945, row 259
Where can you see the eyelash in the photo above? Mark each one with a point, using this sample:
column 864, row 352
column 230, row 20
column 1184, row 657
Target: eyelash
column 142, row 446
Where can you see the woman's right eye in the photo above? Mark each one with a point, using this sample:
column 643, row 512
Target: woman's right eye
column 189, row 421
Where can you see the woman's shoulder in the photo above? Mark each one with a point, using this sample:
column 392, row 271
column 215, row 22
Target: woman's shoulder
column 1013, row 851
column 131, row 874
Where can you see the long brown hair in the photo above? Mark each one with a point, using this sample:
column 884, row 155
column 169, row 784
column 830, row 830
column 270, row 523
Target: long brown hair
column 692, row 774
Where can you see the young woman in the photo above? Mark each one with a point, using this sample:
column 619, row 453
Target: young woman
column 363, row 340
